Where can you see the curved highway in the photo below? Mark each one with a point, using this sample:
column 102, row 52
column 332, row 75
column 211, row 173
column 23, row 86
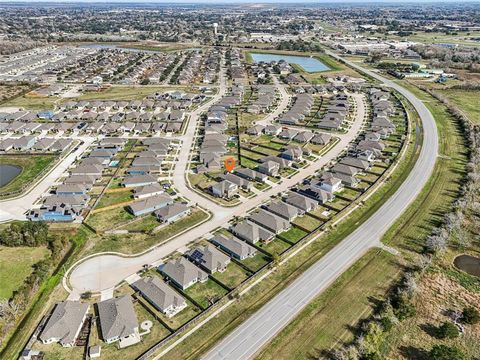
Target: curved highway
column 257, row 331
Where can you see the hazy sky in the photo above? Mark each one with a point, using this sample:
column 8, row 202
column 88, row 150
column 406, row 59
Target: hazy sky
column 245, row 1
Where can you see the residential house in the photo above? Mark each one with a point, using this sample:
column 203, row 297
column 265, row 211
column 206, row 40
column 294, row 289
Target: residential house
column 149, row 204
column 183, row 273
column 118, row 321
column 64, row 324
column 235, row 247
column 224, row 189
column 270, row 221
column 160, row 295
column 172, row 212
column 251, row 232
column 209, row 258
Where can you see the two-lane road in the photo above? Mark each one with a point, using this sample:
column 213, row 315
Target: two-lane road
column 245, row 341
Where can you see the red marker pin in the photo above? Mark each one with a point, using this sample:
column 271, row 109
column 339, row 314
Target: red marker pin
column 229, row 164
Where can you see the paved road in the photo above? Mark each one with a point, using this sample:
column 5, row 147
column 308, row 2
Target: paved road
column 14, row 209
column 257, row 331
column 102, row 272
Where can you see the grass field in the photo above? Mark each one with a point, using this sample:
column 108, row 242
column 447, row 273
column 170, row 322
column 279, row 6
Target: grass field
column 15, row 265
column 31, row 165
column 124, row 92
column 33, row 103
column 233, row 276
column 327, row 319
column 113, row 198
column 205, row 293
column 134, row 243
column 466, row 101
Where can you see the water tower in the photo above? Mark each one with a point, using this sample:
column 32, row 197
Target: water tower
column 215, row 26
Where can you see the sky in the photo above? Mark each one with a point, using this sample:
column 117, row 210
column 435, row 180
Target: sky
column 244, row 1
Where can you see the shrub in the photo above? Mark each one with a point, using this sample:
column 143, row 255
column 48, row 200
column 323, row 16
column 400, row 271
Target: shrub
column 443, row 352
column 448, row 330
column 470, row 315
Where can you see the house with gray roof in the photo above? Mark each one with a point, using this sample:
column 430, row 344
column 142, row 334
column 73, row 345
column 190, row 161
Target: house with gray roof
column 172, row 212
column 301, row 202
column 269, row 167
column 139, row 180
column 183, row 273
column 251, row 232
column 64, row 324
column 270, row 221
column 317, row 190
column 224, row 189
column 141, row 192
column 251, row 174
column 356, row 162
column 284, row 210
column 209, row 258
column 321, row 139
column 234, row 247
column 160, row 295
column 149, row 204
column 118, row 321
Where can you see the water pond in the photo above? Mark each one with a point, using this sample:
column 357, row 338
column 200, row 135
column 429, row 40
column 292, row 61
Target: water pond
column 309, row 64
column 468, row 264
column 8, row 173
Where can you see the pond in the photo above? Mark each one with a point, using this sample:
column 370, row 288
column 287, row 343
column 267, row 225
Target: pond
column 8, row 173
column 309, row 64
column 468, row 264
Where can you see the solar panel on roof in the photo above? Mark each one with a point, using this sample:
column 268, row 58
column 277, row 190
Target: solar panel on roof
column 197, row 256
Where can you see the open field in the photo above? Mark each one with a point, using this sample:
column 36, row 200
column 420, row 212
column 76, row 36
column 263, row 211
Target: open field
column 137, row 242
column 128, row 92
column 32, row 102
column 346, row 301
column 466, row 101
column 32, row 166
column 15, row 265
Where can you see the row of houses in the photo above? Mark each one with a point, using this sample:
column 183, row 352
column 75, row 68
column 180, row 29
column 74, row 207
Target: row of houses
column 214, row 142
column 298, row 111
column 301, row 137
column 33, row 143
column 265, row 98
column 71, row 197
column 336, row 113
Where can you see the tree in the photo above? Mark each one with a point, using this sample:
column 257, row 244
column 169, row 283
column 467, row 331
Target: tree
column 470, row 315
column 448, row 330
column 443, row 352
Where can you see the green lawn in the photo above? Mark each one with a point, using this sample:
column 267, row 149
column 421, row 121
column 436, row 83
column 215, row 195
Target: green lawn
column 307, row 222
column 466, row 101
column 31, row 165
column 233, row 276
column 275, row 247
column 109, row 219
column 256, row 262
column 294, row 234
column 15, row 265
column 33, row 103
column 329, row 318
column 134, row 243
column 113, row 198
column 205, row 293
